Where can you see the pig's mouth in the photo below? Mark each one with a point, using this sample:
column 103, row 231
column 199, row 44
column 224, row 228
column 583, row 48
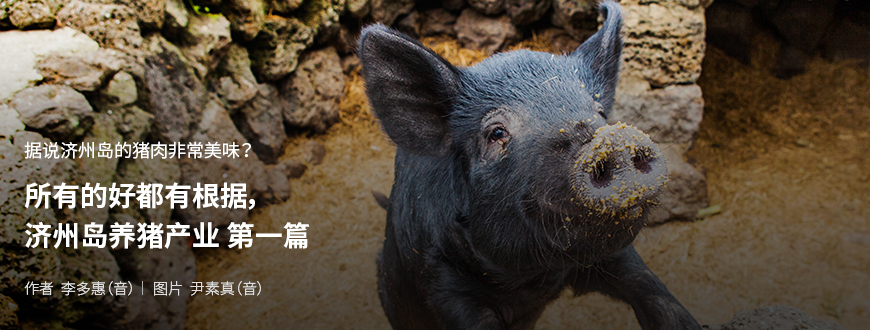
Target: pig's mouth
column 618, row 171
column 585, row 236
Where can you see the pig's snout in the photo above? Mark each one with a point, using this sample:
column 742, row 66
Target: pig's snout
column 618, row 169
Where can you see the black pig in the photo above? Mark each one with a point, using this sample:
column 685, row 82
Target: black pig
column 510, row 186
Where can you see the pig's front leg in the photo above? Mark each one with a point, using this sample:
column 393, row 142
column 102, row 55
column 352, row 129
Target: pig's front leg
column 453, row 303
column 624, row 276
column 465, row 303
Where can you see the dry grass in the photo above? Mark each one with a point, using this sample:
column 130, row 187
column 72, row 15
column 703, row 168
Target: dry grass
column 354, row 109
column 538, row 44
column 795, row 230
column 451, row 50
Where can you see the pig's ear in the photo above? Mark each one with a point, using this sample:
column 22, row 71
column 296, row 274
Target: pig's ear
column 600, row 54
column 410, row 89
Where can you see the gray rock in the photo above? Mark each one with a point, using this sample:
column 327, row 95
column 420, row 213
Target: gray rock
column 33, row 14
column 216, row 125
column 19, row 172
column 386, row 11
column 84, row 72
column 577, row 17
column 358, row 8
column 438, row 21
column 428, row 23
column 5, row 8
column 20, row 51
column 246, row 17
column 119, row 92
column 175, row 264
column 283, row 6
column 525, row 12
column 261, row 122
column 560, row 39
column 410, row 24
column 149, row 13
column 693, row 4
column 275, row 52
column 87, row 265
column 322, row 17
column 8, row 313
column 20, row 264
column 136, row 171
column 485, row 33
column 95, row 170
column 314, row 91
column 59, row 112
column 235, row 93
column 176, row 15
column 134, row 124
column 110, row 25
column 775, row 317
column 685, row 192
column 453, row 5
column 671, row 114
column 175, row 95
column 664, row 42
column 237, row 84
column 9, row 122
column 205, row 41
column 487, row 7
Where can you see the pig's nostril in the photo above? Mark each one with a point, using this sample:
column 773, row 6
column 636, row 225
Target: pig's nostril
column 602, row 174
column 642, row 162
column 619, row 168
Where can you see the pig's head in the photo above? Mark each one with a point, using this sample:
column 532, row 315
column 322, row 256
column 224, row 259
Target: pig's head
column 546, row 178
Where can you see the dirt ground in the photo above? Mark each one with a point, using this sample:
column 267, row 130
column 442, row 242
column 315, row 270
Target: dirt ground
column 787, row 160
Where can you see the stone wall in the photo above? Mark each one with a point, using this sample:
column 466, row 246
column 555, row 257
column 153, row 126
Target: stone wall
column 148, row 71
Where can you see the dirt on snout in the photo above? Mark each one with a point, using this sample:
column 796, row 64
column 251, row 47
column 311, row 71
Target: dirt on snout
column 788, row 162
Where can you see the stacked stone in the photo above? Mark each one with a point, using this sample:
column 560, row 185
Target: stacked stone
column 149, row 71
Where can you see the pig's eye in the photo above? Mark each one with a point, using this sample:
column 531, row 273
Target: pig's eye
column 498, row 134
